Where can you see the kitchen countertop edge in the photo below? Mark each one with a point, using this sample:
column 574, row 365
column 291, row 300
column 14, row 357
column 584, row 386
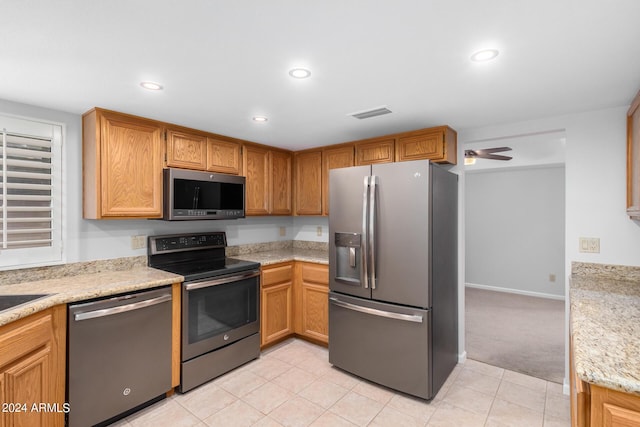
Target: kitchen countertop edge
column 284, row 255
column 605, row 325
column 82, row 287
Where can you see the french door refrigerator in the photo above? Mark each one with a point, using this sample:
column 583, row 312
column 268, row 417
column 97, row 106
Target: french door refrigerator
column 393, row 299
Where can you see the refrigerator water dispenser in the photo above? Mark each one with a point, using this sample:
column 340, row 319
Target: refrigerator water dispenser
column 348, row 257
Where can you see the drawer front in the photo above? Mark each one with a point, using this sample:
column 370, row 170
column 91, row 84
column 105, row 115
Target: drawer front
column 277, row 274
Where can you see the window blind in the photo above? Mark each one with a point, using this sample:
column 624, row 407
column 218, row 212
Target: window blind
column 26, row 197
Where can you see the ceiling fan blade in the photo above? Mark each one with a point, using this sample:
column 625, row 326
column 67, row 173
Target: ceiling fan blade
column 492, row 150
column 493, row 157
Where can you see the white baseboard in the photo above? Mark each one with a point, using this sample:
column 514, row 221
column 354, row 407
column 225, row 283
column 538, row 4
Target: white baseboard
column 462, row 357
column 515, row 291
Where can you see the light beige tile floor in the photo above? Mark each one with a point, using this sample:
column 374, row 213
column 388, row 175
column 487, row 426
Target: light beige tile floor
column 293, row 385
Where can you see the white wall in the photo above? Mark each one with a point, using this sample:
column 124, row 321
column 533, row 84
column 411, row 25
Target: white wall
column 515, row 230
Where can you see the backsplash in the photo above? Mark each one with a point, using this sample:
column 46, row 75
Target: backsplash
column 606, row 271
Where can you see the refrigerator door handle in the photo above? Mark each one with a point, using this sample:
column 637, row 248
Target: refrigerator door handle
column 365, row 245
column 375, row 312
column 372, row 230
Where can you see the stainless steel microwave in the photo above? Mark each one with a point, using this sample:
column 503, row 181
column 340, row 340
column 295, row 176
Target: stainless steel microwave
column 190, row 195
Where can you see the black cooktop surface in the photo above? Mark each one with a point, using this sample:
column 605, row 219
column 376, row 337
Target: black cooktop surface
column 197, row 270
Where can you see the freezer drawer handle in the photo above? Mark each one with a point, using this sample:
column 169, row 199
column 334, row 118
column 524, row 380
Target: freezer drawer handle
column 122, row 309
column 221, row 281
column 375, row 312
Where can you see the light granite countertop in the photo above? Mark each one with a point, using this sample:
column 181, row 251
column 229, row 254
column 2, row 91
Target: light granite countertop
column 287, row 254
column 605, row 325
column 64, row 290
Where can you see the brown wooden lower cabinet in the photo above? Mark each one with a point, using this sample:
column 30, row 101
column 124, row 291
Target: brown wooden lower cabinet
column 294, row 300
column 32, row 369
column 276, row 303
column 312, row 301
column 595, row 406
column 613, row 408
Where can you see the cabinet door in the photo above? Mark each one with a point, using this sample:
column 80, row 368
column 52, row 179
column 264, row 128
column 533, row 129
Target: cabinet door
column 223, row 156
column 436, row 144
column 258, row 184
column 308, row 183
column 276, row 304
column 315, row 301
column 281, row 171
column 580, row 396
column 33, row 372
column 130, row 167
column 333, row 158
column 377, row 151
column 633, row 159
column 613, row 408
column 186, row 151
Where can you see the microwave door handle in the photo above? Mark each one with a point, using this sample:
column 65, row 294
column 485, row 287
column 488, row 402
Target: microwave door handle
column 365, row 246
column 196, row 196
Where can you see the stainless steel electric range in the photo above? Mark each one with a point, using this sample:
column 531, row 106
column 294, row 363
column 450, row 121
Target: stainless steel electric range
column 220, row 304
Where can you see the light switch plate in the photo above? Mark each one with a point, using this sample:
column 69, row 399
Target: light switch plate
column 589, row 245
column 138, row 242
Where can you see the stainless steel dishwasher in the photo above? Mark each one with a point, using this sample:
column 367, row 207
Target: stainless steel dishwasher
column 119, row 355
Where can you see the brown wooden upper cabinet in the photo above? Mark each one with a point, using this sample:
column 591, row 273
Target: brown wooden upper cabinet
column 312, row 177
column 308, row 182
column 224, row 156
column 269, row 177
column 633, row 159
column 187, row 151
column 122, row 166
column 371, row 151
column 202, row 152
column 334, row 158
column 437, row 144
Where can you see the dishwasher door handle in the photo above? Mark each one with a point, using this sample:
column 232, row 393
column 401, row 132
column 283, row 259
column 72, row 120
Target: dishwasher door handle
column 121, row 308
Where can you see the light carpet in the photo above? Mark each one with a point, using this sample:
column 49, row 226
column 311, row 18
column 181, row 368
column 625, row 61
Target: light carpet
column 516, row 332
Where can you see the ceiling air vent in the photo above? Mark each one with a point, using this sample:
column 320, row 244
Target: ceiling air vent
column 370, row 113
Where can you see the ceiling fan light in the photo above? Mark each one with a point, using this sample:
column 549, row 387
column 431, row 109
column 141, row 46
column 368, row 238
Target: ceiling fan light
column 469, row 161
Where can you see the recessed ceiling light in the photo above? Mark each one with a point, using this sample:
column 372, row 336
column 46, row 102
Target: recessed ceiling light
column 299, row 73
column 260, row 119
column 151, row 85
column 484, row 55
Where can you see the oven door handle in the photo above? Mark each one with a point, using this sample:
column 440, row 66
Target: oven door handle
column 222, row 280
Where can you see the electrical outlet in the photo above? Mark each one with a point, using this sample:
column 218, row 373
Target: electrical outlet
column 319, row 231
column 589, row 245
column 138, row 242
column 283, row 231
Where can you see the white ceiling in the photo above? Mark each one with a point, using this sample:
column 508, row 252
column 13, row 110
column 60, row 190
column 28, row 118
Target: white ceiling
column 223, row 62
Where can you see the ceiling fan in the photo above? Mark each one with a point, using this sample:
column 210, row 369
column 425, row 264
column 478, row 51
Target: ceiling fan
column 487, row 153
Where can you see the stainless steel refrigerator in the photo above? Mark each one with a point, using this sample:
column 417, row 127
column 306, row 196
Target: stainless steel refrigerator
column 393, row 316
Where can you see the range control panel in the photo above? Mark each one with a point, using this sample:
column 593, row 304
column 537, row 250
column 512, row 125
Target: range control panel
column 187, row 242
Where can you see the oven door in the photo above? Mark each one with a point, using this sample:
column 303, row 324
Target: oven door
column 219, row 311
